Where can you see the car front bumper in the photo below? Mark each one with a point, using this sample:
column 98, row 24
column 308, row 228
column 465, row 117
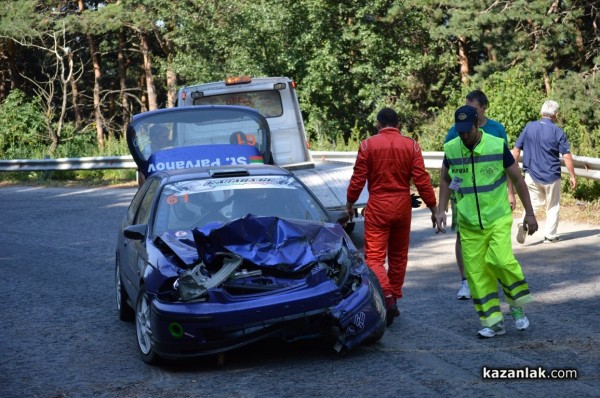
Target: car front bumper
column 182, row 330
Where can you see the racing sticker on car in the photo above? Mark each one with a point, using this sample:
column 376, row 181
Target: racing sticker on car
column 188, row 164
column 241, row 138
column 173, row 199
column 359, row 320
column 202, row 156
column 252, row 182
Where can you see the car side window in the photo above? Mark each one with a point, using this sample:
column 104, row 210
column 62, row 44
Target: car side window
column 135, row 203
column 143, row 214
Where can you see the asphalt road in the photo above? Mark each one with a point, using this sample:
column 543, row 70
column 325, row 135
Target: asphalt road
column 60, row 335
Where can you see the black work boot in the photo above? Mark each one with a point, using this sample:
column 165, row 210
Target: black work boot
column 392, row 310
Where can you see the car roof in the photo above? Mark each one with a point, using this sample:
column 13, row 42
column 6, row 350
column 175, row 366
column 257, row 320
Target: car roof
column 221, row 171
column 256, row 83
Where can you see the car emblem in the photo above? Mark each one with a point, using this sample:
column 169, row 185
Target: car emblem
column 359, row 319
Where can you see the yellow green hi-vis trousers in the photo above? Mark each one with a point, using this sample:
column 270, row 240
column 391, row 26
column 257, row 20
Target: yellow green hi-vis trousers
column 488, row 258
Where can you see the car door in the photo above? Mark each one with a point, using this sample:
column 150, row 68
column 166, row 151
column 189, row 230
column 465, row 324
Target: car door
column 134, row 251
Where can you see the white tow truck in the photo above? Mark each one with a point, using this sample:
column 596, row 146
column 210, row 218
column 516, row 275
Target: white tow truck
column 275, row 98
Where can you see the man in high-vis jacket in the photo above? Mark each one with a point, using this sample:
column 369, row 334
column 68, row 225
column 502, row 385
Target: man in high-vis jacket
column 475, row 167
column 389, row 161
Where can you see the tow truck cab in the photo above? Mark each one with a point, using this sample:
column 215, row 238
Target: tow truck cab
column 275, row 98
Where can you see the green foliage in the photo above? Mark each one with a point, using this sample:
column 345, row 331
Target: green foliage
column 432, row 133
column 22, row 127
column 339, row 143
column 515, row 97
column 579, row 115
column 588, row 190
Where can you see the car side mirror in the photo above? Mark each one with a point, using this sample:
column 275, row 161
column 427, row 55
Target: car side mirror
column 135, row 232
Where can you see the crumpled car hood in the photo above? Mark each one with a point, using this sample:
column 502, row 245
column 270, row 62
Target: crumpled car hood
column 288, row 245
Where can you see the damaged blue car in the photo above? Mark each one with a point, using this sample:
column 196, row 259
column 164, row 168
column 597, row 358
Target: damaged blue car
column 213, row 258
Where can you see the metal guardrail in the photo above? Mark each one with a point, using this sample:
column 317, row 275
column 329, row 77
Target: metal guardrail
column 584, row 166
column 89, row 163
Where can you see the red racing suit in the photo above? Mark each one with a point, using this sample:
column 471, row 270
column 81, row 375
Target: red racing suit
column 389, row 161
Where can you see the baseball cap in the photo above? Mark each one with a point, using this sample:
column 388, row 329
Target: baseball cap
column 464, row 118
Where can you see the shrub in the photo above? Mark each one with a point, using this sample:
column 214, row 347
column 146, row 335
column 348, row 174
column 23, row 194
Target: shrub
column 22, row 127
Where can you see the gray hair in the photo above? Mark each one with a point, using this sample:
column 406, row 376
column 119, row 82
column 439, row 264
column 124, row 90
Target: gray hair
column 550, row 108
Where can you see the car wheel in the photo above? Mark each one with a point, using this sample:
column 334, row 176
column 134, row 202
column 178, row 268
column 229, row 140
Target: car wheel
column 125, row 311
column 143, row 328
column 377, row 334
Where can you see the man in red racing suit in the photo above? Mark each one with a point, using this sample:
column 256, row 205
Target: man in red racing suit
column 389, row 161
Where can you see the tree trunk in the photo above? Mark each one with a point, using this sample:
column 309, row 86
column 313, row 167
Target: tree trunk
column 54, row 137
column 463, row 60
column 167, row 46
column 171, row 84
column 147, row 65
column 547, row 84
column 4, row 73
column 3, row 92
column 490, row 50
column 75, row 96
column 143, row 95
column 97, row 77
column 73, row 81
column 66, row 76
column 126, row 109
column 13, row 73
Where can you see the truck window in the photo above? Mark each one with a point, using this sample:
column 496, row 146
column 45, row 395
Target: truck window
column 267, row 102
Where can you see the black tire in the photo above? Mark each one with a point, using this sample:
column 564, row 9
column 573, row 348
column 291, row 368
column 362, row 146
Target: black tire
column 377, row 334
column 126, row 313
column 143, row 329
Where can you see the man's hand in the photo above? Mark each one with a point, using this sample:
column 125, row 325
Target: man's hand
column 530, row 224
column 416, row 203
column 343, row 219
column 512, row 200
column 438, row 219
column 349, row 210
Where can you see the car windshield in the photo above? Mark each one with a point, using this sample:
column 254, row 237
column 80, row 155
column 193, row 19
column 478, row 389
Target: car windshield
column 179, row 128
column 194, row 203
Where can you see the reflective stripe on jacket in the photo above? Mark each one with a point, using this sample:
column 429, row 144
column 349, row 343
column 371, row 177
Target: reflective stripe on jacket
column 481, row 197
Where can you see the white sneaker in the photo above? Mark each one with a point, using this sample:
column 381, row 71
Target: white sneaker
column 521, row 233
column 464, row 293
column 521, row 321
column 494, row 330
column 551, row 240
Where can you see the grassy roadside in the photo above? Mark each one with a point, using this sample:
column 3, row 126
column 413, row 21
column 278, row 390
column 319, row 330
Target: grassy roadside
column 573, row 210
